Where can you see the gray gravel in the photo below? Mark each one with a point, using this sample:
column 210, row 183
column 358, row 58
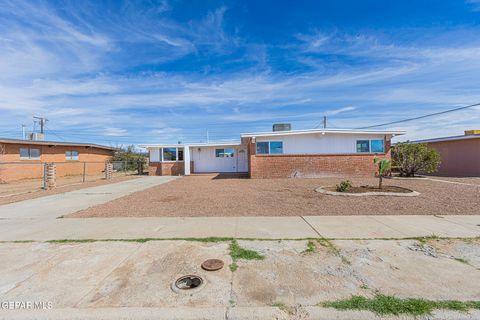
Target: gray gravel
column 206, row 195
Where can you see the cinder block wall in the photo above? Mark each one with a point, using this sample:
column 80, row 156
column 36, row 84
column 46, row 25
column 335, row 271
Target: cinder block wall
column 33, row 169
column 312, row 165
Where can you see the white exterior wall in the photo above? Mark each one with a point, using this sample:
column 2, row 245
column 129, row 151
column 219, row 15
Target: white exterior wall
column 154, row 154
column 204, row 160
column 329, row 143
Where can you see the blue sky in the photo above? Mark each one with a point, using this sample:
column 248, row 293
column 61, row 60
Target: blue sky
column 165, row 71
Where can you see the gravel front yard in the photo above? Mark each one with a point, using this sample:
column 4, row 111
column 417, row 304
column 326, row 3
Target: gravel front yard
column 211, row 195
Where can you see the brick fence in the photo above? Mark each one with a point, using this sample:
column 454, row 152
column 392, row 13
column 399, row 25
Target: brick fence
column 168, row 168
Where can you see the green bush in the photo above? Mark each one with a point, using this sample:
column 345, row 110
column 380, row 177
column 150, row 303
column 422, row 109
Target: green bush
column 344, row 186
column 130, row 157
column 412, row 158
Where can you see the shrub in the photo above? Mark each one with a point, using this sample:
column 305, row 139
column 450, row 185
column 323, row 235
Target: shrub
column 344, row 186
column 415, row 158
column 131, row 157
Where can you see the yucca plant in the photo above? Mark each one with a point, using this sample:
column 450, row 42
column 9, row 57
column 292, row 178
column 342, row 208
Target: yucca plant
column 384, row 168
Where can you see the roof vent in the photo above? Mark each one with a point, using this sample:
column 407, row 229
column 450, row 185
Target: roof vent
column 472, row 132
column 282, row 127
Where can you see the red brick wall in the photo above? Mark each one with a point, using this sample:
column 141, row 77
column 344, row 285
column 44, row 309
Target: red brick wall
column 28, row 169
column 167, row 168
column 313, row 165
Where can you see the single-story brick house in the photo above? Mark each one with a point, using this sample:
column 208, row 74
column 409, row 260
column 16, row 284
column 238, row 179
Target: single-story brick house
column 23, row 159
column 460, row 154
column 278, row 154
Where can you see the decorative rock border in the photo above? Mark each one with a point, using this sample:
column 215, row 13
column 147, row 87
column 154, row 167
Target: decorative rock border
column 366, row 194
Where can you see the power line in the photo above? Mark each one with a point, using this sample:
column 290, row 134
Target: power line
column 422, row 117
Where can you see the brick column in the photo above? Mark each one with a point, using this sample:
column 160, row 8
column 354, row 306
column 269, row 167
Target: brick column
column 51, row 175
column 108, row 170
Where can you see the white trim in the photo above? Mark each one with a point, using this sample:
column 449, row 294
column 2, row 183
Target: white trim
column 322, row 131
column 454, row 138
column 219, row 144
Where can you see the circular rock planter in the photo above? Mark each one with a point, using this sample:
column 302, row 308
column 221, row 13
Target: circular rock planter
column 365, row 191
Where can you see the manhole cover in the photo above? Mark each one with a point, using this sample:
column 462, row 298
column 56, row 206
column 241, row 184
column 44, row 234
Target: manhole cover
column 212, row 264
column 188, row 282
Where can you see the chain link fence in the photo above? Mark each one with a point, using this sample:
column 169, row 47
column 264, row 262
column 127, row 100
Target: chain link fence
column 24, row 177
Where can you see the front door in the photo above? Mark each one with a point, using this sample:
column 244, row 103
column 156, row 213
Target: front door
column 242, row 160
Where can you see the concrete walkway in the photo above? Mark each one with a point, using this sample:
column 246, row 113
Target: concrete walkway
column 37, row 219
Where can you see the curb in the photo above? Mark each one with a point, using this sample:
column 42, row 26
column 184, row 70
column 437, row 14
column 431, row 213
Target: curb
column 367, row 194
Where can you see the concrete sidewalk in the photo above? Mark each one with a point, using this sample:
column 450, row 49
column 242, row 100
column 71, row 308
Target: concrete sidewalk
column 341, row 227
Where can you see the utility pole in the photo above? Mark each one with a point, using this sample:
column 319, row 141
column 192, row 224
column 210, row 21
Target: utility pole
column 23, row 131
column 43, row 121
column 324, row 121
column 208, row 139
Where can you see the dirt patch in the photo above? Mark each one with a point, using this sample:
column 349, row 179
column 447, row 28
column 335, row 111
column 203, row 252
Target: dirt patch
column 366, row 189
column 205, row 195
column 38, row 192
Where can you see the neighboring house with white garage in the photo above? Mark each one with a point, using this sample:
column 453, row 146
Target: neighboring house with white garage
column 278, row 154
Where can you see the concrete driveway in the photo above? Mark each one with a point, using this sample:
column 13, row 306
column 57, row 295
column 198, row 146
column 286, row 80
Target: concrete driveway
column 51, row 207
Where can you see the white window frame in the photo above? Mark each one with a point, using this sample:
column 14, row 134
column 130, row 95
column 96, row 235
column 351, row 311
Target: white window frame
column 29, row 154
column 377, row 151
column 71, row 157
column 268, row 143
column 369, row 145
column 223, row 154
column 176, row 154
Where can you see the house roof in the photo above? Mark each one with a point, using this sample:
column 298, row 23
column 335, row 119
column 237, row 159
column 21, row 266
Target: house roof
column 322, row 131
column 453, row 138
column 55, row 143
column 201, row 144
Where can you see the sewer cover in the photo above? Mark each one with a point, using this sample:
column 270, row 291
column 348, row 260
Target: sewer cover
column 188, row 282
column 212, row 264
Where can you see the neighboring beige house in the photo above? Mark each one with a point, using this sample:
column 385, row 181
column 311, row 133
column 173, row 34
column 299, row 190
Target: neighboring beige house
column 23, row 159
column 460, row 154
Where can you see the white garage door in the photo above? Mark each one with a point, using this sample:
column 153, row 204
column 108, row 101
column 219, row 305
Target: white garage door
column 219, row 159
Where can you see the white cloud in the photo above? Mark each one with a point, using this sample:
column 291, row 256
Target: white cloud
column 475, row 4
column 114, row 132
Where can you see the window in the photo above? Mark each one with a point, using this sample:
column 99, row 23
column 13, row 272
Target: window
column 224, row 153
column 377, row 146
column 363, row 146
column 29, row 154
column 71, row 155
column 24, row 153
column 180, row 154
column 271, row 147
column 169, row 154
column 276, row 147
column 262, row 147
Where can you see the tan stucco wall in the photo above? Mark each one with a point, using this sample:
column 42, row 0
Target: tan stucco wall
column 459, row 157
column 27, row 169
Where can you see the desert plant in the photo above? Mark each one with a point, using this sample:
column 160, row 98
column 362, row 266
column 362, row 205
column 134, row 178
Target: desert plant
column 344, row 186
column 412, row 158
column 132, row 158
column 384, row 168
